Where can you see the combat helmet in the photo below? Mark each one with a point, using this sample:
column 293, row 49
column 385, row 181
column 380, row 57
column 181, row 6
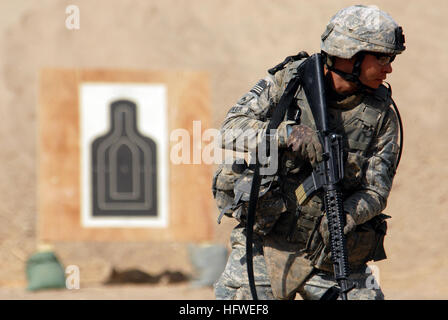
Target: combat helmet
column 358, row 29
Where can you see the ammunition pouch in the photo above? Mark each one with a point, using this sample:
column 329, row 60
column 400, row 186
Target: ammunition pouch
column 231, row 191
column 222, row 188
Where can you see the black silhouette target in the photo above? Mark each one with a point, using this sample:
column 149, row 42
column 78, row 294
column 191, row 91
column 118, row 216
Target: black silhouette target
column 124, row 167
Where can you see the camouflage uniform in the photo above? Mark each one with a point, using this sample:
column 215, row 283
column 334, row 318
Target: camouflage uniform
column 290, row 255
column 234, row 285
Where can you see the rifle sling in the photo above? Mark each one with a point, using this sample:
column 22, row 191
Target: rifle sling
column 277, row 117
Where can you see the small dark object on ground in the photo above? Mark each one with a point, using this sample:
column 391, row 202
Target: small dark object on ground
column 136, row 276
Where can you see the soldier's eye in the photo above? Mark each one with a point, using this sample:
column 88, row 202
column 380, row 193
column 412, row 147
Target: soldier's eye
column 383, row 59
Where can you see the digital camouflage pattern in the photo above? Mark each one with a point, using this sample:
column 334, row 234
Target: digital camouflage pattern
column 233, row 283
column 369, row 128
column 362, row 28
column 366, row 286
column 250, row 114
column 304, row 141
column 371, row 139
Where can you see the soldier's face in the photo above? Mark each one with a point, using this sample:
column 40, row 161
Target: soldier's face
column 340, row 85
column 374, row 71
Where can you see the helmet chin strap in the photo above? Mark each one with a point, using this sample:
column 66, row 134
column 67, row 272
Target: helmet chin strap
column 354, row 75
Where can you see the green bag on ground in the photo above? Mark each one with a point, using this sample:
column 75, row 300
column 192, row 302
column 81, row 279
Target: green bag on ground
column 44, row 271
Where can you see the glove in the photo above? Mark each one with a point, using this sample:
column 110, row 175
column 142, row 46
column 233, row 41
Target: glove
column 305, row 143
column 350, row 225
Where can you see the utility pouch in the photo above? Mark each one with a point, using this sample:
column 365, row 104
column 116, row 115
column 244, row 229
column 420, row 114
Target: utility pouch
column 379, row 224
column 270, row 204
column 222, row 187
column 364, row 244
column 231, row 191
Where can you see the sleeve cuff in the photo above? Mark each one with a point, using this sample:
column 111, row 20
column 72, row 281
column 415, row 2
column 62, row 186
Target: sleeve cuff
column 283, row 132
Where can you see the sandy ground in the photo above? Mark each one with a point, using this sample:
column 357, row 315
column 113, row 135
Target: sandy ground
column 128, row 292
column 235, row 42
column 158, row 292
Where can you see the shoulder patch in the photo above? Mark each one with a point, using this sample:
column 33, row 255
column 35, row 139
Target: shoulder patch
column 239, row 109
column 245, row 99
column 259, row 87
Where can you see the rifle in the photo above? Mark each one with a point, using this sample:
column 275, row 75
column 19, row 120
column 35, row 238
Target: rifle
column 330, row 171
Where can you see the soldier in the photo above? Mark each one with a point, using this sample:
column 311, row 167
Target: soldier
column 291, row 237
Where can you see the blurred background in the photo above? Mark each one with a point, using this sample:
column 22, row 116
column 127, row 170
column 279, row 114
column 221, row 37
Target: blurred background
column 235, row 42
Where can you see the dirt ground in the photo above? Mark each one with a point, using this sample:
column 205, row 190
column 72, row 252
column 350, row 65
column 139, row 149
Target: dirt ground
column 235, row 41
column 156, row 292
column 127, row 292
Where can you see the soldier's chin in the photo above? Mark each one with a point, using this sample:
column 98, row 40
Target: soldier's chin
column 374, row 84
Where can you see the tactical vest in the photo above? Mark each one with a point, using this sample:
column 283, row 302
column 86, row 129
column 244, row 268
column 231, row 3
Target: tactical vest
column 279, row 210
column 359, row 124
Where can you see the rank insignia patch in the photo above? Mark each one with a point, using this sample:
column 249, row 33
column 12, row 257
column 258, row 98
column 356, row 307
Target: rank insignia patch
column 259, row 87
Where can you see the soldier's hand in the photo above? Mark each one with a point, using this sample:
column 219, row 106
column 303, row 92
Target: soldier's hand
column 304, row 141
column 324, row 232
column 350, row 225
